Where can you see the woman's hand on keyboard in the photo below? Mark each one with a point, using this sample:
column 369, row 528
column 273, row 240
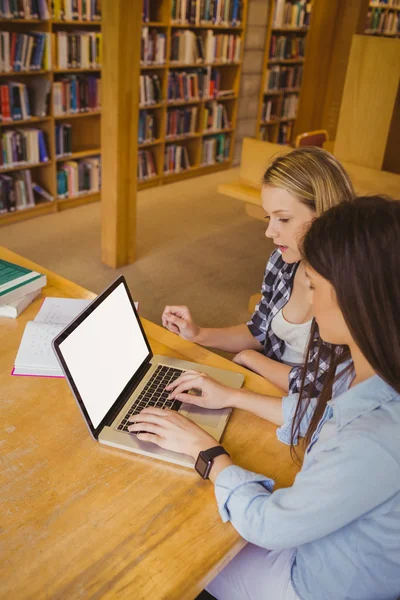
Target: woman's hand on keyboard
column 179, row 320
column 203, row 391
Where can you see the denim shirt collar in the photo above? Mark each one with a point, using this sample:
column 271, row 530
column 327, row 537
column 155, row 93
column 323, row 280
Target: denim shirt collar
column 361, row 399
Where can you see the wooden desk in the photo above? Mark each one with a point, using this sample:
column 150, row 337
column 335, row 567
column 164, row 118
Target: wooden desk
column 82, row 520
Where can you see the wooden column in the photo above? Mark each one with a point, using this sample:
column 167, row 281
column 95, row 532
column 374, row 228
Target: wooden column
column 120, row 111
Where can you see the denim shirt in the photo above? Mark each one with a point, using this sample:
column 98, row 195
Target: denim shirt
column 342, row 514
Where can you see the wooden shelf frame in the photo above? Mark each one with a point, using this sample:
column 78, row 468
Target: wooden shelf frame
column 274, row 123
column 45, row 173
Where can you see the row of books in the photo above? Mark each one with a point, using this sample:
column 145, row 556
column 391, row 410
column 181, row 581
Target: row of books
column 181, row 121
column 82, row 50
column 76, row 94
column 22, row 146
column 184, row 86
column 286, row 46
column 283, row 78
column 18, row 191
column 149, row 90
column 390, row 3
column 290, row 105
column 63, row 139
column 24, row 51
column 188, row 47
column 78, row 177
column 152, row 47
column 292, row 14
column 211, row 84
column 176, row 159
column 24, row 9
column 200, row 12
column 146, row 165
column 22, row 101
column 76, row 10
column 147, row 126
column 215, row 149
column 285, row 133
column 382, row 21
column 215, row 116
column 269, row 110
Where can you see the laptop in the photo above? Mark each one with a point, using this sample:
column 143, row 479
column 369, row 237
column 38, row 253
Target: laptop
column 108, row 363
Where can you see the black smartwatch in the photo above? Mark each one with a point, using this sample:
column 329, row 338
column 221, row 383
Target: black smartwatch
column 205, row 460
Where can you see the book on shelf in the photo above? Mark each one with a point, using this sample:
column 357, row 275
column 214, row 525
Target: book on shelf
column 146, row 11
column 149, row 89
column 176, row 159
column 16, row 282
column 15, row 308
column 283, row 77
column 35, row 356
column 147, row 126
column 185, row 85
column 63, row 139
column 269, row 110
column 75, row 94
column 200, row 12
column 78, row 177
column 21, row 52
column 286, row 47
column 146, row 165
column 76, row 10
column 22, row 146
column 181, row 121
column 381, row 21
column 20, row 101
column 290, row 105
column 78, row 50
column 215, row 116
column 28, row 9
column 292, row 14
column 285, row 133
column 153, row 47
column 207, row 46
column 215, row 149
column 18, row 191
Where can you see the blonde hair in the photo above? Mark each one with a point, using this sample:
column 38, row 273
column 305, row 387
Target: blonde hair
column 313, row 176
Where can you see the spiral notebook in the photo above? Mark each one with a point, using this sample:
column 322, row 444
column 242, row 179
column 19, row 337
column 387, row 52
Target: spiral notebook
column 35, row 356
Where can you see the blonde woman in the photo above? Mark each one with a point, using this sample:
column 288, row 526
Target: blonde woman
column 297, row 188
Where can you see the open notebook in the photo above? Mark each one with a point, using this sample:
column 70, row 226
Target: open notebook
column 35, row 355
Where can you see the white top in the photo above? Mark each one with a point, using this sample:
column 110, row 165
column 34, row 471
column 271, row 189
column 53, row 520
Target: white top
column 295, row 336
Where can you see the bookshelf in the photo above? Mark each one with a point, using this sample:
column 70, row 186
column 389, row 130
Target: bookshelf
column 283, row 64
column 383, row 19
column 85, row 126
column 196, row 145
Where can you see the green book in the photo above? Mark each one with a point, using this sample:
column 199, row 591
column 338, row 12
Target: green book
column 16, row 281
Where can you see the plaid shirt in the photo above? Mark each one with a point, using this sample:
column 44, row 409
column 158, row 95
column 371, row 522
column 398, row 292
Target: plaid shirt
column 276, row 290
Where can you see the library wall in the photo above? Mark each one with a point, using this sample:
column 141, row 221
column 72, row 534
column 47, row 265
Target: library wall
column 256, row 30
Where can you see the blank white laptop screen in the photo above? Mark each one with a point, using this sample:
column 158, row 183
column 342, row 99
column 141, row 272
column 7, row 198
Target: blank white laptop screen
column 104, row 352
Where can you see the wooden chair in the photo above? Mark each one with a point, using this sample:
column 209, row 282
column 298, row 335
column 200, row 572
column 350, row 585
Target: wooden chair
column 312, row 138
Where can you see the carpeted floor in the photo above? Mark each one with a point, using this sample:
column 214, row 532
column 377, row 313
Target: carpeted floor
column 195, row 247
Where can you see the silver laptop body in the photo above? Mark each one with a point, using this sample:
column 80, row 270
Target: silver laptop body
column 108, row 363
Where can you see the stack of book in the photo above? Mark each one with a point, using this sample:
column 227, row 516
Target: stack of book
column 28, row 9
column 286, row 47
column 72, row 10
column 215, row 116
column 153, row 47
column 292, row 14
column 188, row 47
column 63, row 139
column 198, row 12
column 18, row 288
column 82, row 50
column 215, row 149
column 146, row 165
column 24, row 51
column 16, row 100
column 176, row 159
column 282, row 78
column 181, row 121
column 78, row 177
column 76, row 94
column 22, row 146
column 147, row 126
column 17, row 192
column 150, row 89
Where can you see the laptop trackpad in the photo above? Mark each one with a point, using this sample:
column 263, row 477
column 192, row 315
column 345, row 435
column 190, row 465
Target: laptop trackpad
column 203, row 416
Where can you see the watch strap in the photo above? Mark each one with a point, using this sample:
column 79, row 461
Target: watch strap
column 212, row 453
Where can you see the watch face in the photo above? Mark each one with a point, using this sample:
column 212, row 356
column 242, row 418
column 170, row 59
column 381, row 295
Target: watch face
column 201, row 465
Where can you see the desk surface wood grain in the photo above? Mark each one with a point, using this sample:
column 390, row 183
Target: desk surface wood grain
column 82, row 520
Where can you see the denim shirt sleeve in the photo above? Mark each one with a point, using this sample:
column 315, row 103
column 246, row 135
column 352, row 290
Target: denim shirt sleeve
column 289, row 404
column 339, row 485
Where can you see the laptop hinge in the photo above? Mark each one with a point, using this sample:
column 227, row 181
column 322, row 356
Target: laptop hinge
column 126, row 394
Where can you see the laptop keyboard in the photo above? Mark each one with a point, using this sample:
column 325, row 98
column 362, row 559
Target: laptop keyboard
column 154, row 394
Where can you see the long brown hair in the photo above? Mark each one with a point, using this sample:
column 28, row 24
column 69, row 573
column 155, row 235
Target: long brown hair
column 313, row 176
column 356, row 247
